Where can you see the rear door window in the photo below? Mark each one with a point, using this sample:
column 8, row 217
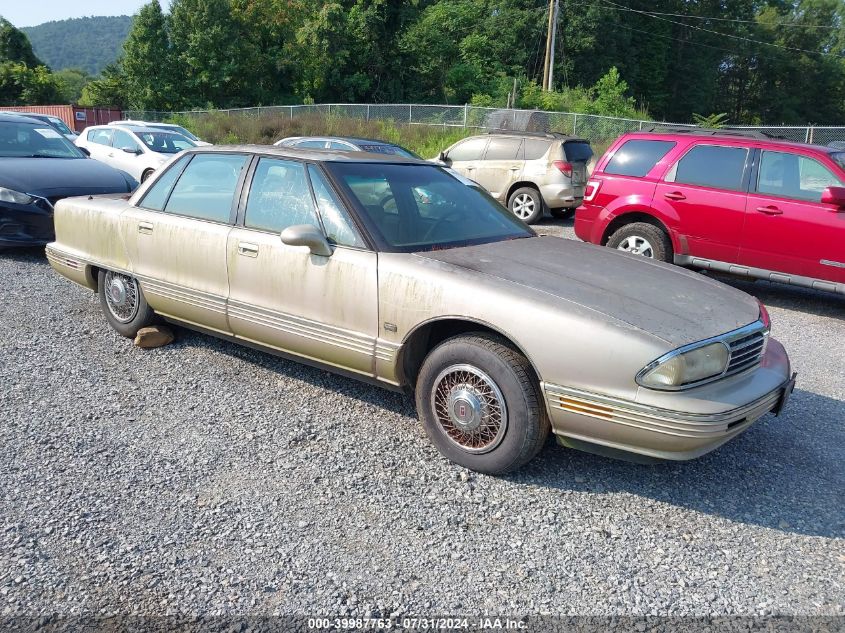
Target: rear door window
column 207, row 187
column 719, row 167
column 470, row 149
column 577, row 152
column 503, row 149
column 637, row 157
column 792, row 176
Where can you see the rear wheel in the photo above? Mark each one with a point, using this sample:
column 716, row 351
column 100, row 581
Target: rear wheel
column 563, row 213
column 641, row 238
column 480, row 404
column 123, row 303
column 526, row 203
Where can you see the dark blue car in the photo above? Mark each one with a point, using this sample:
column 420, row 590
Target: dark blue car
column 39, row 166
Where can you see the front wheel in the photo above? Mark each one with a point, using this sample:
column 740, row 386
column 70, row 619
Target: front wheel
column 526, row 203
column 641, row 238
column 480, row 404
column 123, row 303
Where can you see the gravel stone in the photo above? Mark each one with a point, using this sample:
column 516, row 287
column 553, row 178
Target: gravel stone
column 205, row 478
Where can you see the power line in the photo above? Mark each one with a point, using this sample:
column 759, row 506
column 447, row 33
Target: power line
column 620, row 7
column 739, row 21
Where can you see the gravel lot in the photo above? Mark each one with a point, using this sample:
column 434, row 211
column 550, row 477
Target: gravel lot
column 208, row 478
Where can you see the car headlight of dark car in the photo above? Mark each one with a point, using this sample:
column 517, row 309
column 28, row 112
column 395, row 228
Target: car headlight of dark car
column 686, row 366
column 10, row 195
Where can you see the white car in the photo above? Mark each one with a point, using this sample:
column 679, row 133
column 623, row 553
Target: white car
column 172, row 127
column 138, row 151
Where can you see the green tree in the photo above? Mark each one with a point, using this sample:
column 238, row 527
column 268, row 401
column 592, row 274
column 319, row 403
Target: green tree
column 205, row 47
column 15, row 46
column 108, row 90
column 71, row 81
column 148, row 61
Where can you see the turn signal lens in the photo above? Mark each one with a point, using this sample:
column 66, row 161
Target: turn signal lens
column 764, row 316
column 687, row 368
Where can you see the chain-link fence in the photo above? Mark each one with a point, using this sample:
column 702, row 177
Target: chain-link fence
column 590, row 126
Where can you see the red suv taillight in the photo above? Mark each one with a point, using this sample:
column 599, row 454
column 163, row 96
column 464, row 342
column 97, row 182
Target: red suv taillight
column 591, row 190
column 564, row 167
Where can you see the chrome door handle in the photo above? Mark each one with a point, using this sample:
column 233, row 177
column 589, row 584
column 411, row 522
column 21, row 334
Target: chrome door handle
column 247, row 249
column 145, row 227
column 674, row 195
column 770, row 210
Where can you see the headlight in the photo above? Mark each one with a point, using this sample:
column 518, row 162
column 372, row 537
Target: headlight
column 678, row 369
column 9, row 195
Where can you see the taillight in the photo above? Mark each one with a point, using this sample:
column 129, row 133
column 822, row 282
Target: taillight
column 564, row 167
column 591, row 190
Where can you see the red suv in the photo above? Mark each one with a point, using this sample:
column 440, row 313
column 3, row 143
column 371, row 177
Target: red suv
column 724, row 201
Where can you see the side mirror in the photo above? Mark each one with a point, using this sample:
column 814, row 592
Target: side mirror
column 835, row 197
column 443, row 157
column 131, row 150
column 85, row 151
column 307, row 235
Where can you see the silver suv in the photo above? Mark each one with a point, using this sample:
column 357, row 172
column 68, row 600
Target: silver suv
column 527, row 171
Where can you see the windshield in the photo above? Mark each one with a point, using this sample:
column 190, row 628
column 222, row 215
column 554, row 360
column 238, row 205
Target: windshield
column 60, row 125
column 839, row 159
column 420, row 207
column 164, row 142
column 24, row 140
column 178, row 129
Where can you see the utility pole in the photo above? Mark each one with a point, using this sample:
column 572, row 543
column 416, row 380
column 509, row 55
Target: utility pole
column 548, row 68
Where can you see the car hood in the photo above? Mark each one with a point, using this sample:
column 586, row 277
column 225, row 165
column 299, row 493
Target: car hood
column 52, row 177
column 671, row 303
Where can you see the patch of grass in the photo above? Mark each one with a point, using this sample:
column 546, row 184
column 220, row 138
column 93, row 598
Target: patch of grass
column 221, row 128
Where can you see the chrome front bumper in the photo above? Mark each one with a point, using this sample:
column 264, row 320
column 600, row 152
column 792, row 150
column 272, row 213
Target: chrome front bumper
column 665, row 433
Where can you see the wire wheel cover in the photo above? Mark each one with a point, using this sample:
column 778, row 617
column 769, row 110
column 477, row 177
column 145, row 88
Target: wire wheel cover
column 470, row 408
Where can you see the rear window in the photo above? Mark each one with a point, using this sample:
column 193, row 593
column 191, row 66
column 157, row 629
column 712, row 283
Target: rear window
column 393, row 150
column 637, row 157
column 577, row 152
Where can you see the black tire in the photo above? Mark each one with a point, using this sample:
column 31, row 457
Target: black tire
column 147, row 173
column 140, row 315
column 654, row 242
column 524, row 425
column 563, row 213
column 527, row 204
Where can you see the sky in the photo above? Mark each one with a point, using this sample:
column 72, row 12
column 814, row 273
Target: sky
column 32, row 12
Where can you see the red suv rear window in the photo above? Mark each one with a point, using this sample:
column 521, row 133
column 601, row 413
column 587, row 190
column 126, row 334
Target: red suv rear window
column 637, row 157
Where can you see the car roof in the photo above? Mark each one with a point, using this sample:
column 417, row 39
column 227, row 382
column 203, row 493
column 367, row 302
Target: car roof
column 551, row 136
column 16, row 118
column 145, row 128
column 316, row 155
column 729, row 135
column 349, row 139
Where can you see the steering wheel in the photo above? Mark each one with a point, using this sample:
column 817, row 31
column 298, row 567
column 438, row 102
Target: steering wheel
column 454, row 214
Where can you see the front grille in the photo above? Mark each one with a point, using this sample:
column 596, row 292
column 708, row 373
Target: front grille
column 746, row 351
